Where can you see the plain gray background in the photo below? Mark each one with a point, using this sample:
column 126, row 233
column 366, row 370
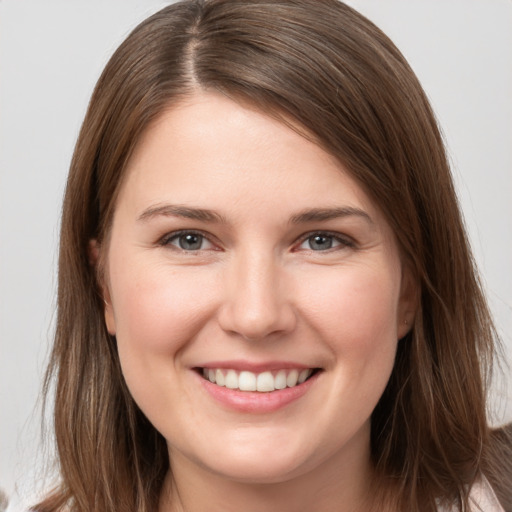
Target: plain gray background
column 51, row 53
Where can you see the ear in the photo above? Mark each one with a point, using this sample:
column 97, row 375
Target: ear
column 408, row 301
column 93, row 253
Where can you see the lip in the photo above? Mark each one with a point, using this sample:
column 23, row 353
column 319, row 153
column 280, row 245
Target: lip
column 254, row 402
column 241, row 365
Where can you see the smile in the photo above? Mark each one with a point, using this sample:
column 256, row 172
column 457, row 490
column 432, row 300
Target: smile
column 263, row 382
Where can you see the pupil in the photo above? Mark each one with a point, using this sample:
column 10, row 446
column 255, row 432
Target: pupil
column 190, row 242
column 320, row 242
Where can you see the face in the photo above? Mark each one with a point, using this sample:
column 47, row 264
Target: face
column 255, row 292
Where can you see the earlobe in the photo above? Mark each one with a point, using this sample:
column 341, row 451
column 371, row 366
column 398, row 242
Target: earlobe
column 93, row 253
column 408, row 304
column 109, row 318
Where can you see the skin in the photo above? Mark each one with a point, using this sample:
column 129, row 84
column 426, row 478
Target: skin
column 255, row 290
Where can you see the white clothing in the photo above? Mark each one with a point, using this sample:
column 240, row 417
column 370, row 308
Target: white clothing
column 482, row 498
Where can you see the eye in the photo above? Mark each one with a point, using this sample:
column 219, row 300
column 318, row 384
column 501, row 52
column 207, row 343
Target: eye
column 187, row 241
column 324, row 242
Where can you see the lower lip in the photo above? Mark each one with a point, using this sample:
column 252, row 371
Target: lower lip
column 256, row 402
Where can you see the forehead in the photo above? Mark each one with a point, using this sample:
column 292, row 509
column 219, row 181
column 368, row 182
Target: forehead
column 212, row 153
column 209, row 135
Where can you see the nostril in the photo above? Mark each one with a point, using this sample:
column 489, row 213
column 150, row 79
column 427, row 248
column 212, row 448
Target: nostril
column 257, row 322
column 256, row 303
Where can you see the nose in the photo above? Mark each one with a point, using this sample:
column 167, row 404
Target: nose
column 256, row 301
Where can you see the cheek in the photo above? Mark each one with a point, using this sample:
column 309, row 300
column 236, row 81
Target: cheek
column 355, row 317
column 158, row 312
column 157, row 309
column 356, row 307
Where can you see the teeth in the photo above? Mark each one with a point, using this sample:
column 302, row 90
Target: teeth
column 265, row 382
column 231, row 381
column 246, row 381
column 262, row 382
column 280, row 380
column 291, row 380
column 303, row 375
column 219, row 378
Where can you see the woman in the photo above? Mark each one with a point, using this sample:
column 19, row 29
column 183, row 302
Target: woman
column 266, row 295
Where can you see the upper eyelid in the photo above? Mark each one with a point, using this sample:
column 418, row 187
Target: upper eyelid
column 174, row 234
column 334, row 234
column 346, row 239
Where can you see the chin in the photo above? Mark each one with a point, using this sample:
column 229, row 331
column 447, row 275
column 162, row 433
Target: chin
column 265, row 471
column 258, row 461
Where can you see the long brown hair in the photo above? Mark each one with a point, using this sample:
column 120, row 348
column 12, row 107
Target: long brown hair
column 322, row 65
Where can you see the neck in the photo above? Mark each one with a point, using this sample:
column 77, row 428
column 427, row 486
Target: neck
column 345, row 487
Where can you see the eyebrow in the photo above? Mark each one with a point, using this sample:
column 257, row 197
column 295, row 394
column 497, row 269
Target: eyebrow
column 205, row 215
column 323, row 214
column 172, row 210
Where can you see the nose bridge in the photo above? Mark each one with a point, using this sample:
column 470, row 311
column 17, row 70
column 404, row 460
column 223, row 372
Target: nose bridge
column 256, row 299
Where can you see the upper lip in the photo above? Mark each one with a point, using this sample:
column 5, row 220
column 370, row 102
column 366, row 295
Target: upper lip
column 255, row 367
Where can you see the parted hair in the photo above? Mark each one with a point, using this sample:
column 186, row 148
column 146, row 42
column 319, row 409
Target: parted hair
column 319, row 65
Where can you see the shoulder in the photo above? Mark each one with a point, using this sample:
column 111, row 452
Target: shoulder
column 22, row 501
column 15, row 504
column 482, row 499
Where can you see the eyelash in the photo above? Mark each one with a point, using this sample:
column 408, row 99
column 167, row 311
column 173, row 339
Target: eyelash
column 344, row 241
column 166, row 240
